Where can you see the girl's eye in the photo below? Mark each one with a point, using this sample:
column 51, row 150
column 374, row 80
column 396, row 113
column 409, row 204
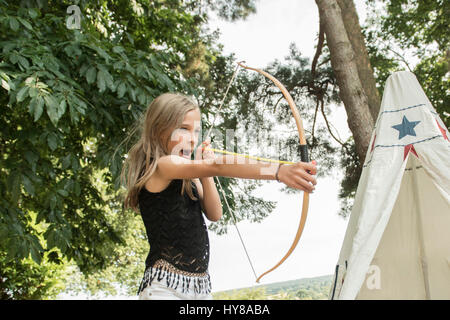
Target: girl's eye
column 187, row 129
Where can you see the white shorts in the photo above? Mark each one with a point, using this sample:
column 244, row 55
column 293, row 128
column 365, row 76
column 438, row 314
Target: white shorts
column 164, row 282
column 158, row 290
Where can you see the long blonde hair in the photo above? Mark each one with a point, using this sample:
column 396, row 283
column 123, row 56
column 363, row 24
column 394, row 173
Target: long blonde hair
column 163, row 115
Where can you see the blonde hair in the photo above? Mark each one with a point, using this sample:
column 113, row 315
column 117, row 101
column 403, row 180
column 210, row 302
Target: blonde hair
column 163, row 115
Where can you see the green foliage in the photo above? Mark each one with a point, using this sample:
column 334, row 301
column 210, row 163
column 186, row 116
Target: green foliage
column 242, row 294
column 68, row 96
column 417, row 22
column 27, row 279
column 123, row 274
column 403, row 35
column 62, row 90
column 302, row 289
column 314, row 289
column 412, row 35
column 349, row 161
column 233, row 9
column 433, row 74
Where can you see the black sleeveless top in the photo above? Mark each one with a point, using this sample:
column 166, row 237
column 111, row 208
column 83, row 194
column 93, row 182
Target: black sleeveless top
column 175, row 227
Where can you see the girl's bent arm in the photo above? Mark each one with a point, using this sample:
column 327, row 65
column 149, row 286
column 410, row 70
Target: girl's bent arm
column 209, row 198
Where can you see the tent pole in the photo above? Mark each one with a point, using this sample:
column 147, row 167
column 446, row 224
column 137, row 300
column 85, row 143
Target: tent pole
column 423, row 256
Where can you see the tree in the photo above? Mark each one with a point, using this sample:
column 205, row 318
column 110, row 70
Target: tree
column 350, row 89
column 257, row 293
column 395, row 32
column 365, row 71
column 70, row 90
column 412, row 35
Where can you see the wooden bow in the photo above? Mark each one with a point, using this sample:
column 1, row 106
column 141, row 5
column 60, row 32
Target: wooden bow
column 304, row 158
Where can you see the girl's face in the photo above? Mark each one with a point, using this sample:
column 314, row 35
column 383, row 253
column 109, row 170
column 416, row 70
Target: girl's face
column 184, row 139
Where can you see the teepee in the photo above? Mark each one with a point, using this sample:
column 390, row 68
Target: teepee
column 397, row 243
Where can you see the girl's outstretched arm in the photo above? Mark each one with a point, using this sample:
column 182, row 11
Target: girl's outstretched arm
column 298, row 175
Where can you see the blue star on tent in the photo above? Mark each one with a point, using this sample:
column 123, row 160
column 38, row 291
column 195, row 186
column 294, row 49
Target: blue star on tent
column 406, row 128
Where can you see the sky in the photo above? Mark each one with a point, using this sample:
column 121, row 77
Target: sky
column 259, row 40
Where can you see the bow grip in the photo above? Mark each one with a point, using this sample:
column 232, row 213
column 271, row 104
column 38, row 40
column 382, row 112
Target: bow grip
column 304, row 157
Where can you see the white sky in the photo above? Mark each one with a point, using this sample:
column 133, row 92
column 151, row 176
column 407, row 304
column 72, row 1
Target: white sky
column 262, row 38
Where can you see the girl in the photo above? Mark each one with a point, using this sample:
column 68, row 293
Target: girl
column 170, row 190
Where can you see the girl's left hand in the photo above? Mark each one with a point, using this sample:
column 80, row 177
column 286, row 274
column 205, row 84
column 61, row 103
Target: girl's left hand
column 202, row 153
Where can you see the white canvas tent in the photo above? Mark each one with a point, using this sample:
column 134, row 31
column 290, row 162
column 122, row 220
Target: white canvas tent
column 397, row 243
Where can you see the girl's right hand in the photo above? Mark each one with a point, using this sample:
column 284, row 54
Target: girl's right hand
column 297, row 175
column 202, row 154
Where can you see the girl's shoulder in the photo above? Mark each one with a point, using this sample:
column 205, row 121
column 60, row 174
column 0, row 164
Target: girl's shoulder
column 156, row 184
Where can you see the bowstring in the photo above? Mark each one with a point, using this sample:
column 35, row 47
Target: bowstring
column 217, row 179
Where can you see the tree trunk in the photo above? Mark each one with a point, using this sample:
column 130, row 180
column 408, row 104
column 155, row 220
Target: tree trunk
column 365, row 71
column 351, row 92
